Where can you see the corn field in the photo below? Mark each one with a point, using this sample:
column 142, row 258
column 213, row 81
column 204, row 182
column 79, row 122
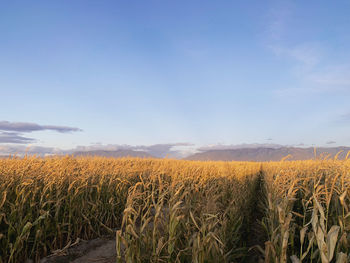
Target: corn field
column 307, row 213
column 177, row 211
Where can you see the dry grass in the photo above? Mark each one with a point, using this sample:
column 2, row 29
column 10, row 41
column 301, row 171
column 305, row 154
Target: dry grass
column 48, row 203
column 307, row 211
column 175, row 211
column 181, row 218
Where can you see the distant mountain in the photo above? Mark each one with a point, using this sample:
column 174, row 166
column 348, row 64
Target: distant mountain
column 115, row 154
column 263, row 154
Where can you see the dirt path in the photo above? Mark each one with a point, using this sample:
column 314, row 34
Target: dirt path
column 255, row 234
column 103, row 254
column 95, row 251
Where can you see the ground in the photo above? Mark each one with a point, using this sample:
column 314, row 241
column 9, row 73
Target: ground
column 99, row 250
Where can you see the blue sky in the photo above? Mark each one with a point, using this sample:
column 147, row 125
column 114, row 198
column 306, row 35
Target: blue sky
column 158, row 72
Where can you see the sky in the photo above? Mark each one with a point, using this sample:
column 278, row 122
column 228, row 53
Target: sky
column 99, row 74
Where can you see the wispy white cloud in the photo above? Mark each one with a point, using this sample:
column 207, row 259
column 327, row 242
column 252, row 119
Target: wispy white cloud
column 278, row 17
column 305, row 56
column 334, row 76
column 313, row 72
column 299, row 91
column 311, row 62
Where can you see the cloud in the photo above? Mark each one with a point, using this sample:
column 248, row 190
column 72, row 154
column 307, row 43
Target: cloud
column 30, row 127
column 173, row 150
column 306, row 55
column 312, row 63
column 278, row 28
column 278, row 17
column 238, row 146
column 246, row 146
column 163, row 150
column 335, row 76
column 11, row 132
column 21, row 150
column 13, row 137
column 314, row 72
column 331, row 142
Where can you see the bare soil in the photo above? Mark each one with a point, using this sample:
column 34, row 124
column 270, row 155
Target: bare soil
column 100, row 250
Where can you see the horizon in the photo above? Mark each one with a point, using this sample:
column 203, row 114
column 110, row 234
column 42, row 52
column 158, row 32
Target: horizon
column 173, row 151
column 173, row 77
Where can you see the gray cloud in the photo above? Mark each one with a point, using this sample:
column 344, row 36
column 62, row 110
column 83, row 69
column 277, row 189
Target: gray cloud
column 30, row 127
column 331, row 142
column 13, row 137
column 238, row 146
column 163, row 150
column 173, row 150
column 21, row 150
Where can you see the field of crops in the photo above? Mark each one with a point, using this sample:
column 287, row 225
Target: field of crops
column 177, row 211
